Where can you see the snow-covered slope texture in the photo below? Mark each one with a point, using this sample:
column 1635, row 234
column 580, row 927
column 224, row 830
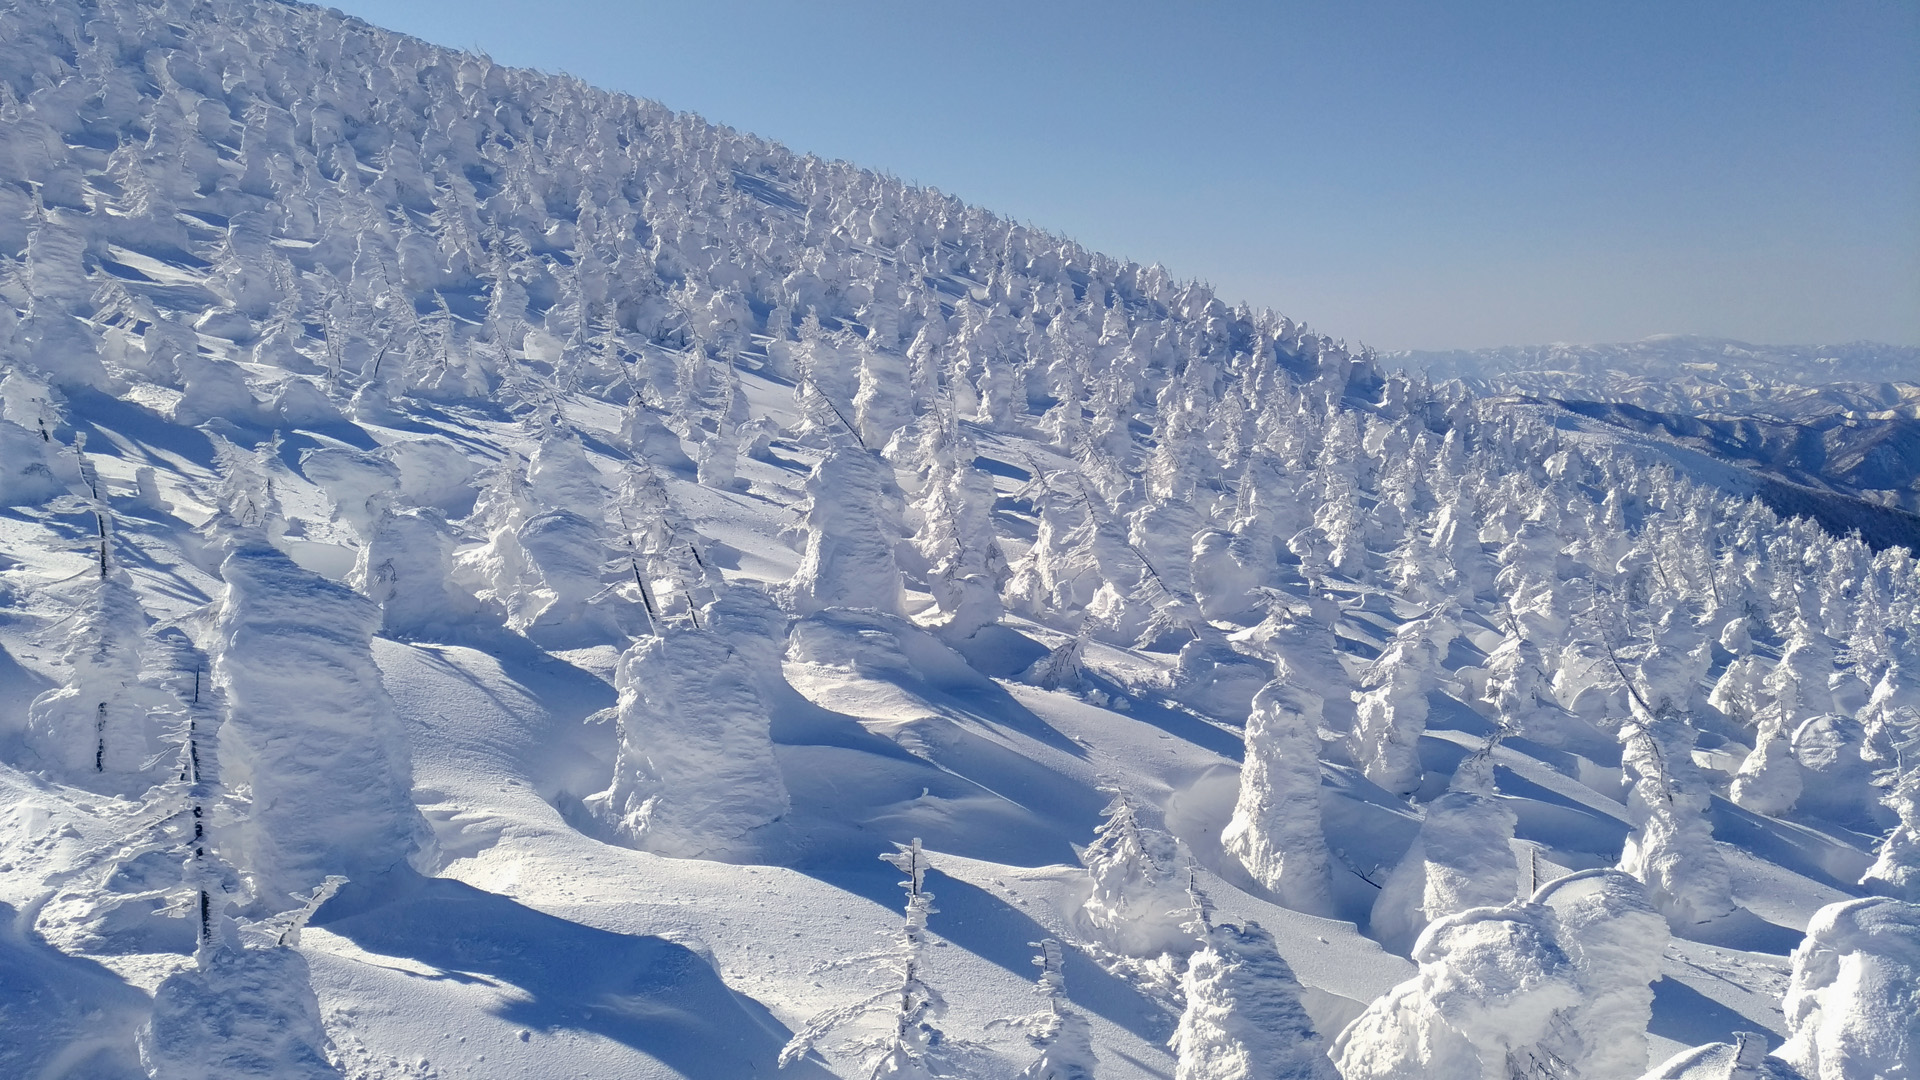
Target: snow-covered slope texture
column 500, row 564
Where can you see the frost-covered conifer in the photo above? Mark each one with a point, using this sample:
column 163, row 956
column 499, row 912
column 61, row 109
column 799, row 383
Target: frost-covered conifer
column 1494, row 983
column 851, row 523
column 1743, row 1059
column 1517, row 689
column 1738, row 691
column 1461, row 858
column 966, row 568
column 1275, row 831
column 246, row 493
column 309, row 728
column 1671, row 847
column 246, row 1014
column 1829, row 750
column 644, row 436
column 560, row 476
column 563, row 599
column 94, row 731
column 908, row 1049
column 1243, row 1019
column 1807, row 657
column 1849, row 1005
column 656, row 554
column 1226, row 572
column 1305, row 640
column 1392, row 709
column 694, row 775
column 1063, row 666
column 1139, row 894
column 1412, row 570
column 1769, row 781
column 26, row 477
column 1896, row 869
column 880, row 407
column 1080, row 567
column 500, row 570
column 1617, row 942
column 406, row 568
column 720, row 454
column 1888, row 714
column 1060, row 1034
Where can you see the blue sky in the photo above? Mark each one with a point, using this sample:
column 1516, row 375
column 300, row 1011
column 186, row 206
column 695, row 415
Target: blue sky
column 1406, row 174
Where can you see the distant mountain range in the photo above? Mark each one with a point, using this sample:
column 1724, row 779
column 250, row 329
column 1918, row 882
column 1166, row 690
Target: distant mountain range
column 1684, row 373
column 1843, row 419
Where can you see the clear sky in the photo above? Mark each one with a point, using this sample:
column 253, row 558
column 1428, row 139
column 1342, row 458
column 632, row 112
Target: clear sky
column 1407, row 174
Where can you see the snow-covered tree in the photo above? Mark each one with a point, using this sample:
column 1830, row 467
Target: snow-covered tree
column 1461, row 858
column 1392, row 710
column 881, row 405
column 95, row 730
column 720, row 453
column 966, row 568
column 1062, row 1036
column 851, row 523
column 646, row 437
column 1617, row 941
column 309, row 728
column 406, row 568
column 1769, row 781
column 1494, row 983
column 1849, row 1003
column 1830, row 751
column 1896, row 868
column 1243, row 1019
column 694, row 775
column 1305, row 639
column 909, row 1048
column 246, row 1014
column 1671, row 847
column 1275, row 831
column 1063, row 668
column 1743, row 1059
column 1139, row 900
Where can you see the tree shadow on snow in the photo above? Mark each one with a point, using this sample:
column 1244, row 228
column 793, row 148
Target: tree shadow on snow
column 64, row 1016
column 1181, row 723
column 1802, row 849
column 1687, row 1016
column 987, row 926
column 1743, row 930
column 646, row 992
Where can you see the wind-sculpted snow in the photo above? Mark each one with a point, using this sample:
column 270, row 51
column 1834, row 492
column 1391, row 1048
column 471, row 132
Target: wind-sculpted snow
column 1850, row 1005
column 251, row 1013
column 309, row 729
column 695, row 773
column 599, row 534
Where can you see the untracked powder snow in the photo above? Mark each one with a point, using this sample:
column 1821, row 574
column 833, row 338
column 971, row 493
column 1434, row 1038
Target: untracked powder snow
column 503, row 579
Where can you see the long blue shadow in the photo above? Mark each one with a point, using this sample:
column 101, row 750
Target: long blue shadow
column 641, row 991
column 983, row 924
column 1799, row 848
column 63, row 1015
column 1687, row 1016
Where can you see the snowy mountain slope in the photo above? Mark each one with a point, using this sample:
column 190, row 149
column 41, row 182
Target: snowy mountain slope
column 598, row 537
